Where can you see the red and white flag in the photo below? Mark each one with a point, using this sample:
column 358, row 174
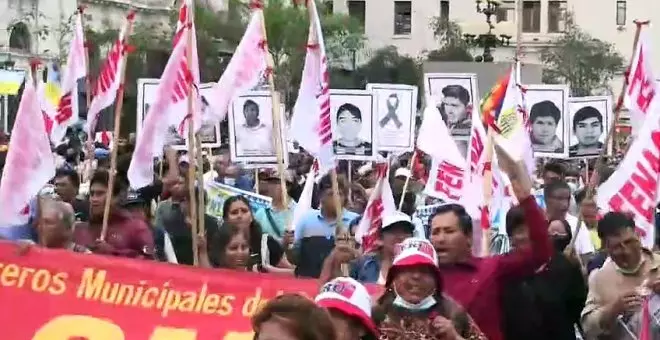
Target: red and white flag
column 380, row 204
column 247, row 68
column 104, row 137
column 641, row 83
column 180, row 116
column 30, row 163
column 311, row 123
column 109, row 78
column 633, row 188
column 173, row 89
column 75, row 69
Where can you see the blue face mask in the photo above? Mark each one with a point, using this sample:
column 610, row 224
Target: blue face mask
column 229, row 181
column 425, row 304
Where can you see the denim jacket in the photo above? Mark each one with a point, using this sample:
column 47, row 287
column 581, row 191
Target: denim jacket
column 366, row 269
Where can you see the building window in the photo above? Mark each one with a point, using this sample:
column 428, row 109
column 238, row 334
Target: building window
column 19, row 37
column 356, row 10
column 621, row 12
column 402, row 17
column 444, row 9
column 506, row 11
column 531, row 17
column 556, row 16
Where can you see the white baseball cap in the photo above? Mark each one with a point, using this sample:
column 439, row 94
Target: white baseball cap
column 349, row 297
column 415, row 251
column 402, row 172
column 397, row 217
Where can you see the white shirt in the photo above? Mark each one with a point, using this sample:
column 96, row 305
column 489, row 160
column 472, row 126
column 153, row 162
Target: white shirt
column 254, row 141
column 583, row 243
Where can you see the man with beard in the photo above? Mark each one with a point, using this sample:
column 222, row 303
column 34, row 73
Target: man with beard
column 454, row 110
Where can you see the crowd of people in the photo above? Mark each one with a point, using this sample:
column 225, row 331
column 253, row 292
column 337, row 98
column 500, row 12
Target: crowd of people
column 429, row 282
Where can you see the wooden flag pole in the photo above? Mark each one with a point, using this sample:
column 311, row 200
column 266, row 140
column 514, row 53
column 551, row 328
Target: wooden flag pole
column 192, row 204
column 413, row 158
column 277, row 118
column 201, row 204
column 591, row 185
column 119, row 102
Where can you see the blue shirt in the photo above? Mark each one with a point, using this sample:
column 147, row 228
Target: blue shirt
column 314, row 239
column 366, row 269
column 279, row 218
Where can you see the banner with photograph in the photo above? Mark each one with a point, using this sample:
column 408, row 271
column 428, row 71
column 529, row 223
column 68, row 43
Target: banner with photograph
column 209, row 132
column 218, row 193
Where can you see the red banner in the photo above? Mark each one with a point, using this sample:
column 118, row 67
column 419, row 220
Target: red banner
column 60, row 295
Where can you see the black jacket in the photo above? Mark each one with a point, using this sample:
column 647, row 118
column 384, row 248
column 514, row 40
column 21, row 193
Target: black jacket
column 545, row 305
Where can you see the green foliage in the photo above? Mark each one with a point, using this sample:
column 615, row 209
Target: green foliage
column 583, row 62
column 452, row 45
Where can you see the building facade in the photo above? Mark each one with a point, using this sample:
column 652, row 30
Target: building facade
column 406, row 24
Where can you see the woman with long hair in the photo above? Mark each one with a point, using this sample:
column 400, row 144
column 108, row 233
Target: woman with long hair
column 414, row 306
column 266, row 254
column 229, row 249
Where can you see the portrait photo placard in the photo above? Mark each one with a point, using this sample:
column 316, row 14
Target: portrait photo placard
column 456, row 95
column 395, row 112
column 354, row 134
column 146, row 94
column 590, row 120
column 251, row 129
column 547, row 109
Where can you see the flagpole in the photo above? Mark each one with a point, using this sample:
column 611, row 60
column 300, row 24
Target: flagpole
column 277, row 115
column 119, row 102
column 591, row 185
column 88, row 81
column 200, row 190
column 191, row 141
column 413, row 158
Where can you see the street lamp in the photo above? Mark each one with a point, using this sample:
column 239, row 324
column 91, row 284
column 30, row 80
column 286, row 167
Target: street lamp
column 487, row 40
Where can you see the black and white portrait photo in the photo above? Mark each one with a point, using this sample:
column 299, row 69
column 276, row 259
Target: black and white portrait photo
column 455, row 94
column 146, row 89
column 209, row 131
column 547, row 107
column 396, row 108
column 251, row 128
column 352, row 121
column 589, row 119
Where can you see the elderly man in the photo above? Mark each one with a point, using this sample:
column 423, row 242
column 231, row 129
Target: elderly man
column 55, row 227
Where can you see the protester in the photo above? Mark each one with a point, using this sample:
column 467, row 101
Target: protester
column 274, row 220
column 477, row 283
column 292, row 317
column 315, row 233
column 67, row 186
column 229, row 249
column 126, row 235
column 349, row 305
column 55, row 227
column 237, row 211
column 557, row 198
column 414, row 305
column 548, row 303
column 616, row 290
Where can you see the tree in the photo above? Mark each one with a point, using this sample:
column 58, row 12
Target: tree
column 452, row 45
column 389, row 67
column 583, row 62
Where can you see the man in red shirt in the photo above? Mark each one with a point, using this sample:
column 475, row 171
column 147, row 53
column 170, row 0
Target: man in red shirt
column 127, row 236
column 476, row 283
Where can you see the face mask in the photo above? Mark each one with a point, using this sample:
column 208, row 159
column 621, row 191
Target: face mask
column 230, row 181
column 425, row 304
column 560, row 242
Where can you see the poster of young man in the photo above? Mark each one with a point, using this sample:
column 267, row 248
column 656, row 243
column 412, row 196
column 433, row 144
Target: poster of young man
column 456, row 95
column 209, row 132
column 354, row 134
column 251, row 129
column 590, row 119
column 547, row 109
column 396, row 110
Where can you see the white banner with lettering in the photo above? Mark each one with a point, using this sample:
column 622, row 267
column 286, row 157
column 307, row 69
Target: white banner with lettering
column 633, row 188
